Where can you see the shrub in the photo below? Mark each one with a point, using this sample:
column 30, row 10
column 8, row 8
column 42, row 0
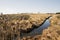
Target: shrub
column 58, row 16
column 25, row 17
column 58, row 13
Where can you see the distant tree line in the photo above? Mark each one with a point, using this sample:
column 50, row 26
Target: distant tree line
column 58, row 13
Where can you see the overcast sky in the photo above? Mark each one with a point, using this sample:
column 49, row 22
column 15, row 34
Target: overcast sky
column 14, row 6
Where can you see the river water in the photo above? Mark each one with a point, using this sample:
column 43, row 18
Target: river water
column 38, row 30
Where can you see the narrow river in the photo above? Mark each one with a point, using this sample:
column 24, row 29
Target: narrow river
column 38, row 30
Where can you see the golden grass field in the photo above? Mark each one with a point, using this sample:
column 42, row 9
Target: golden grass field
column 12, row 24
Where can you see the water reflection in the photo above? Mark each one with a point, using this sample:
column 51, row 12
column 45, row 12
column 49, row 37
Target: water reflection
column 38, row 30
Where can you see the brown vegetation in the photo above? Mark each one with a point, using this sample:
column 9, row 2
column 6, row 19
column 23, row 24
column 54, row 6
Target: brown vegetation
column 12, row 24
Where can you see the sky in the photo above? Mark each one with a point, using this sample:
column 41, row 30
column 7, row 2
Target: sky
column 23, row 6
